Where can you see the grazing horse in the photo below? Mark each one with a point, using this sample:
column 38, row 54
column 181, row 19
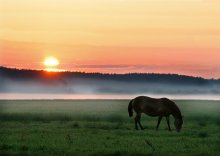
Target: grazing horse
column 155, row 107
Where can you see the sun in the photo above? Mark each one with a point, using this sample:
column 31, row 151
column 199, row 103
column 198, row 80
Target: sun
column 51, row 62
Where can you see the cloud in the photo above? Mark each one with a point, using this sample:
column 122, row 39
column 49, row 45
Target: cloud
column 102, row 66
column 184, row 69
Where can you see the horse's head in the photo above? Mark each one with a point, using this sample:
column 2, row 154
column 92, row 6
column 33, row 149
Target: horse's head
column 178, row 124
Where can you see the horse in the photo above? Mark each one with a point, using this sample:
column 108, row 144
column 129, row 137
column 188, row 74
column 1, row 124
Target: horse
column 162, row 107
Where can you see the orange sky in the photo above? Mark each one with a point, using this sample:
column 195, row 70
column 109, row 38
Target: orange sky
column 115, row 36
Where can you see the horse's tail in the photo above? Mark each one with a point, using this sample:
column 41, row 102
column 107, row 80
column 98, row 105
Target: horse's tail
column 130, row 111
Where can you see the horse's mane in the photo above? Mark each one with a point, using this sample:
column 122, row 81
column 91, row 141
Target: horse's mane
column 174, row 108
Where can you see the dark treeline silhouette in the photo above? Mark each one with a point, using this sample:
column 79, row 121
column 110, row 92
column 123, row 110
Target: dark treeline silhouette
column 106, row 83
column 25, row 74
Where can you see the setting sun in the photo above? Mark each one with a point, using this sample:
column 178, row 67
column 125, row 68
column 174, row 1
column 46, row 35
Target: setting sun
column 51, row 62
column 138, row 36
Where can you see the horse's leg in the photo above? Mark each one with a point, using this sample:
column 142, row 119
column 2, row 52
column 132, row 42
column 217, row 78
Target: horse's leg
column 168, row 122
column 139, row 121
column 136, row 121
column 158, row 123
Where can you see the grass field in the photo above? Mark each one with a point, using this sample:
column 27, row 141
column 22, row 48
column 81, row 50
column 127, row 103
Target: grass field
column 102, row 127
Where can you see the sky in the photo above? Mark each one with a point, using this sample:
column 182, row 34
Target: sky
column 113, row 36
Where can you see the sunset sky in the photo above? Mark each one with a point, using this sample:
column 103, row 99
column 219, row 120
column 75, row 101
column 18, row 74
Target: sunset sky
column 113, row 36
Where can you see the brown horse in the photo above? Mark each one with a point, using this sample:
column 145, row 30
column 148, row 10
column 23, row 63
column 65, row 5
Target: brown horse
column 155, row 107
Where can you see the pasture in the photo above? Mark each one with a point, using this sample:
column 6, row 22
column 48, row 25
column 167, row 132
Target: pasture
column 102, row 127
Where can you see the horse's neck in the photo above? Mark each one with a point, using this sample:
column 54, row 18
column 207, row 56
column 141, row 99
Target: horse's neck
column 176, row 112
column 176, row 115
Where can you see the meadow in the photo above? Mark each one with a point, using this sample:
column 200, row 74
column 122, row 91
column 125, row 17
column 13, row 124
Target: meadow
column 102, row 127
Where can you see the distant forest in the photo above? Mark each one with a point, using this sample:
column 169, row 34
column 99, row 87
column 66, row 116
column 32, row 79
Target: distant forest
column 108, row 83
column 25, row 74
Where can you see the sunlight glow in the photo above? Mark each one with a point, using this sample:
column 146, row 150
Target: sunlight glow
column 51, row 62
column 54, row 70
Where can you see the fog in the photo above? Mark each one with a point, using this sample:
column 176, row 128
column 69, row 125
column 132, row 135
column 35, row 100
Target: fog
column 41, row 96
column 103, row 89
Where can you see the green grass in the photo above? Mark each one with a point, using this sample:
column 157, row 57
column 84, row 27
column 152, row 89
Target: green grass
column 102, row 127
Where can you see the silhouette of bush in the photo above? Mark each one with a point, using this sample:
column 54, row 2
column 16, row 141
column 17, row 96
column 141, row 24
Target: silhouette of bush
column 75, row 125
column 218, row 122
column 202, row 124
column 203, row 135
column 24, row 148
column 5, row 147
column 42, row 148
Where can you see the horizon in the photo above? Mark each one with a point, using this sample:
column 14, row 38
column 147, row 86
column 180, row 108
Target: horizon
column 112, row 36
column 69, row 71
column 37, row 84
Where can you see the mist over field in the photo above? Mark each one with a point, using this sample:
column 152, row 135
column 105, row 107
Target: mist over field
column 76, row 83
column 92, row 86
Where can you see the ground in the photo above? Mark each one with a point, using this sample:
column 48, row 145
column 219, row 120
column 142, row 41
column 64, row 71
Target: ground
column 102, row 127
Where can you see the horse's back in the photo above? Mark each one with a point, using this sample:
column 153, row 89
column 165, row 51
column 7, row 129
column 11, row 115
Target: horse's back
column 147, row 100
column 151, row 106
